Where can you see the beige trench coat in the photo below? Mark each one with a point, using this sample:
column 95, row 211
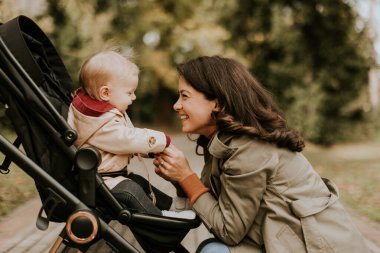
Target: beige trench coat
column 267, row 199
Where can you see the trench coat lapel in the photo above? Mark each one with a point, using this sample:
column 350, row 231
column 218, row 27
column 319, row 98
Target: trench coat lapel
column 219, row 152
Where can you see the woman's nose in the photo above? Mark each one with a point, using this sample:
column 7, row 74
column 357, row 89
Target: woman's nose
column 177, row 105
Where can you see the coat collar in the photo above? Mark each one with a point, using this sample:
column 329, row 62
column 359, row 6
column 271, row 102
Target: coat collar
column 90, row 106
column 217, row 148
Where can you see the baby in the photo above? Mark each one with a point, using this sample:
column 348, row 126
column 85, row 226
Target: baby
column 108, row 82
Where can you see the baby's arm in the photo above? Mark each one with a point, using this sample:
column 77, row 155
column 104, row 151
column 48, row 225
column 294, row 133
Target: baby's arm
column 116, row 138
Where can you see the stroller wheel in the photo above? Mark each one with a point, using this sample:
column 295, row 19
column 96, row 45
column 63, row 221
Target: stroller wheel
column 82, row 227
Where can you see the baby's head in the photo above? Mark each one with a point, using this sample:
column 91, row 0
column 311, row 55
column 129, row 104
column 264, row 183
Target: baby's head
column 110, row 76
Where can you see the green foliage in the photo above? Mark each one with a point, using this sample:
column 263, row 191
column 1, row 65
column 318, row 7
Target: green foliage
column 182, row 30
column 310, row 55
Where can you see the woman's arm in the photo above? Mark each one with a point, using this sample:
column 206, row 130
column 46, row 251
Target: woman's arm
column 243, row 181
column 242, row 185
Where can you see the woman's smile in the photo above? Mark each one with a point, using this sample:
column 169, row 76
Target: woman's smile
column 183, row 117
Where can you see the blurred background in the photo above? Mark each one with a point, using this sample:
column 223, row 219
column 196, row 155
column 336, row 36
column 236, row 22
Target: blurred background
column 320, row 59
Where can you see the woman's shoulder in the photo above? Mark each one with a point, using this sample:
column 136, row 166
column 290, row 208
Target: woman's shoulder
column 249, row 153
column 256, row 149
column 231, row 143
column 252, row 143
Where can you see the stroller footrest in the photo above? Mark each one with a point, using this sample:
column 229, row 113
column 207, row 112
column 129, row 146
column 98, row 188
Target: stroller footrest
column 163, row 221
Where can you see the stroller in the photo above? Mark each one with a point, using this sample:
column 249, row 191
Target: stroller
column 35, row 90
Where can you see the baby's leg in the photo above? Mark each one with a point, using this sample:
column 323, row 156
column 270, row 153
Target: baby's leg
column 134, row 197
column 164, row 201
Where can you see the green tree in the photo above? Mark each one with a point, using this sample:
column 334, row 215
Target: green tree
column 165, row 33
column 311, row 55
column 160, row 33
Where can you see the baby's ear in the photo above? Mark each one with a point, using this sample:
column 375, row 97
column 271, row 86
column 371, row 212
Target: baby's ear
column 104, row 93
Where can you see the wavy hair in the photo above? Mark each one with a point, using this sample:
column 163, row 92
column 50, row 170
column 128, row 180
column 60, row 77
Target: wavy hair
column 246, row 107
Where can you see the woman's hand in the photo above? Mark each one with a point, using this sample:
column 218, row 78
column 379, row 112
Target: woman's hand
column 172, row 165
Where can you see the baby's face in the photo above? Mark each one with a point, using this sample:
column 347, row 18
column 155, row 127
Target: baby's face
column 122, row 92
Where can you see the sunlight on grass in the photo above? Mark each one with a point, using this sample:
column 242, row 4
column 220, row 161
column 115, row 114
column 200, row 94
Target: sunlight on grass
column 355, row 169
column 15, row 187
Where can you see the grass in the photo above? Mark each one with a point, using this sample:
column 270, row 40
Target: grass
column 16, row 187
column 355, row 168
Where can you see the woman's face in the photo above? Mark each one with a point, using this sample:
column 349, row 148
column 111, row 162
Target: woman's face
column 195, row 110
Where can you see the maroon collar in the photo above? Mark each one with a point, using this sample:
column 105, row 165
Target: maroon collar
column 90, row 106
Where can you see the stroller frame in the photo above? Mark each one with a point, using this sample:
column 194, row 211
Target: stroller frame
column 26, row 88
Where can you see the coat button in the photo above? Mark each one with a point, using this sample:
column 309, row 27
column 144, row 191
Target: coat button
column 152, row 141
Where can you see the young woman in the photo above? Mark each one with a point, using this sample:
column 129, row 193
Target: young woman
column 257, row 192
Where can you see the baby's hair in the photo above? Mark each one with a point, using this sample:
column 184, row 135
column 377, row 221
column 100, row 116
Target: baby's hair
column 102, row 66
column 126, row 52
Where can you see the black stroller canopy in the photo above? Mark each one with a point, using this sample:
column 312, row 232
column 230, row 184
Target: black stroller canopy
column 34, row 51
column 34, row 59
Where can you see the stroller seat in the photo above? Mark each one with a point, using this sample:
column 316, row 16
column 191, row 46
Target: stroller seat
column 35, row 89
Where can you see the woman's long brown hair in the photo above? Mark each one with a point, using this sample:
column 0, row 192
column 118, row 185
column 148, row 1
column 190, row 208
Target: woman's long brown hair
column 246, row 107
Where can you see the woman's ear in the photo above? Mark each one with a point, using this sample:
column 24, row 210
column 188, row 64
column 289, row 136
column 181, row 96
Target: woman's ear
column 216, row 106
column 104, row 93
